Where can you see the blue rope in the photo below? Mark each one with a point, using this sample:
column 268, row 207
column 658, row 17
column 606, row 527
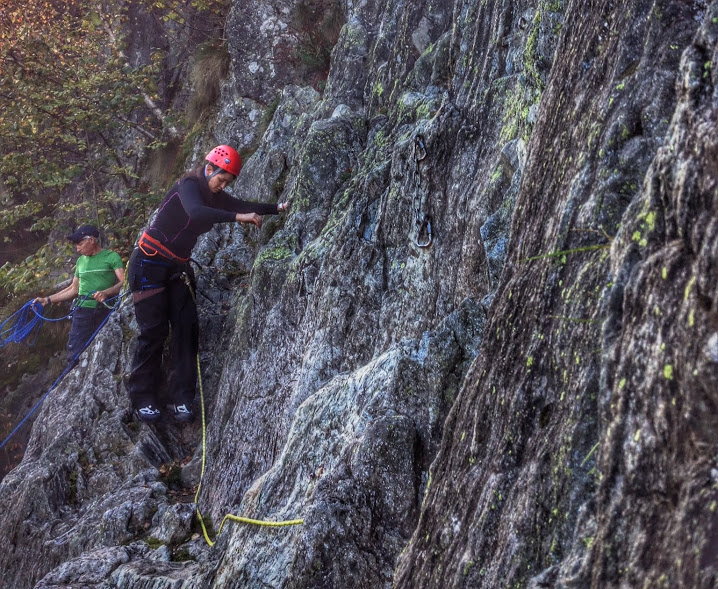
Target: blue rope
column 75, row 304
column 37, row 320
column 20, row 325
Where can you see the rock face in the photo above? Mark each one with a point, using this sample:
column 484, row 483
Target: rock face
column 480, row 351
column 573, row 457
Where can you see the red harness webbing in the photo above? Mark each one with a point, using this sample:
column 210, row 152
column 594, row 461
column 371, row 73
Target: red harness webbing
column 149, row 242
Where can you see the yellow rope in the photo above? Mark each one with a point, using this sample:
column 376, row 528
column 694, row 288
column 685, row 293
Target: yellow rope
column 229, row 516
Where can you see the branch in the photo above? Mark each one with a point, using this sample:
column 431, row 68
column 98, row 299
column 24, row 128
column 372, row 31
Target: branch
column 158, row 113
column 137, row 127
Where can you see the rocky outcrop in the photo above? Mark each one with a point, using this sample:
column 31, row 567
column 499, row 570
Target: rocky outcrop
column 577, row 460
column 655, row 504
column 480, row 351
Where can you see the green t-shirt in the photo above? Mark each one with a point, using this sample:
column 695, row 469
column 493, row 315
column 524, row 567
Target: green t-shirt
column 96, row 273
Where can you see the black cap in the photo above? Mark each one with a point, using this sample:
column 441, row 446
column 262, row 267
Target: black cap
column 82, row 232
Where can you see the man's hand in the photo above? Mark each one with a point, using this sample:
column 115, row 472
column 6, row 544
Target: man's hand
column 100, row 296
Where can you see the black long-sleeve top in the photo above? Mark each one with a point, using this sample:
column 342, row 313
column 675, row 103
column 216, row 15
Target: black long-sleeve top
column 190, row 209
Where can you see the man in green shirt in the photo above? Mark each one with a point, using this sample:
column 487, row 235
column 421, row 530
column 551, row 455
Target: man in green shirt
column 98, row 271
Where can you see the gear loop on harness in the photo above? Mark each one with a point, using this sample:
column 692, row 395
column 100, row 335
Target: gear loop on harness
column 422, row 220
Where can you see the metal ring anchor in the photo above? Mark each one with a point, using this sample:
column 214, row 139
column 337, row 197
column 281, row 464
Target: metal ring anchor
column 424, row 225
column 419, row 149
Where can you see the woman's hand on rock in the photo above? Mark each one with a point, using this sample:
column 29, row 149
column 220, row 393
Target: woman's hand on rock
column 249, row 218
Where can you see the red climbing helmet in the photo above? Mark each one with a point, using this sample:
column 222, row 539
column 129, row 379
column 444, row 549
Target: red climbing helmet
column 225, row 157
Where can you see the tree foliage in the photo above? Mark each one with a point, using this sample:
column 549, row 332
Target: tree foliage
column 65, row 92
column 76, row 120
column 64, row 86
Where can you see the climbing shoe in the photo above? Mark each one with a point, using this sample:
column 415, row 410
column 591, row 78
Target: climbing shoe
column 148, row 413
column 183, row 413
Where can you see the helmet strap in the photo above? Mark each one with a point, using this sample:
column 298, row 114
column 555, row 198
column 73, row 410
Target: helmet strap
column 217, row 170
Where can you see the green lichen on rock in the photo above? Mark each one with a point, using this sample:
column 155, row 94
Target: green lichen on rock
column 282, row 246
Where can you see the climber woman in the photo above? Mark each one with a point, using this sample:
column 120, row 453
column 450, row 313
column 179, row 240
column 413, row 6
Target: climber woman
column 160, row 279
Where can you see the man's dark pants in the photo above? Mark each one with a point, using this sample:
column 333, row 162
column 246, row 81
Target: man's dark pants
column 85, row 321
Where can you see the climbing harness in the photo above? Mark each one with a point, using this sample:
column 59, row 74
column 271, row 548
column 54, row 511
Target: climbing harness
column 145, row 284
column 229, row 516
column 147, row 242
column 21, row 325
column 424, row 235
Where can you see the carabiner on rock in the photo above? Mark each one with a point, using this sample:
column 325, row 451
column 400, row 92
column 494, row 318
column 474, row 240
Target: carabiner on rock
column 424, row 226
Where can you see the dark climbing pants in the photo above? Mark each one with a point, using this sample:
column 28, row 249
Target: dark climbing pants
column 162, row 299
column 85, row 322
